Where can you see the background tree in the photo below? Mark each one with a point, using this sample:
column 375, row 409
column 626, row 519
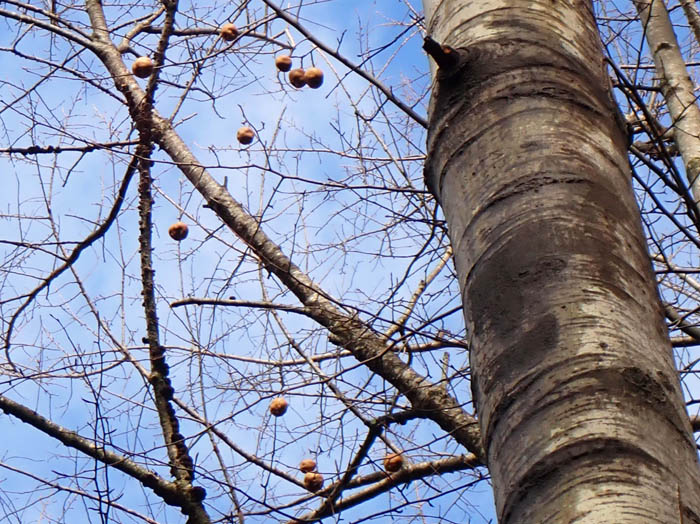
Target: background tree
column 139, row 370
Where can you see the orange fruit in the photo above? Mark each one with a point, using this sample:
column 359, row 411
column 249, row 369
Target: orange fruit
column 178, row 231
column 313, row 481
column 283, row 63
column 296, row 78
column 228, row 32
column 142, row 67
column 278, row 406
column 313, row 77
column 245, row 135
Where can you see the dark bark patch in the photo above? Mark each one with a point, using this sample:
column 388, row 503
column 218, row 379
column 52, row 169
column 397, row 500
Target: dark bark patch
column 608, row 203
column 529, row 349
column 689, row 516
column 651, row 390
column 511, row 279
column 641, row 389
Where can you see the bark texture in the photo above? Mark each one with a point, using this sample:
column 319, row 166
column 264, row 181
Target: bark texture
column 691, row 13
column 579, row 402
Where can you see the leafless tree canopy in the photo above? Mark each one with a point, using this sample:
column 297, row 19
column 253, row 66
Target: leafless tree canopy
column 138, row 371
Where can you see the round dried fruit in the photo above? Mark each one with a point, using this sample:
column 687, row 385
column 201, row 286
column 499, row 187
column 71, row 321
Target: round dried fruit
column 245, row 135
column 283, row 63
column 142, row 67
column 313, row 77
column 229, row 32
column 307, row 465
column 393, row 462
column 178, row 231
column 296, row 78
column 278, row 406
column 313, row 481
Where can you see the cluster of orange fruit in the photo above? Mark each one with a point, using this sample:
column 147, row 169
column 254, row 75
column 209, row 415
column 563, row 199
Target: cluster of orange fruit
column 312, row 77
column 313, row 480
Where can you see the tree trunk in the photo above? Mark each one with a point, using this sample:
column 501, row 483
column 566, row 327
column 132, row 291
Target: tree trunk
column 579, row 402
column 676, row 85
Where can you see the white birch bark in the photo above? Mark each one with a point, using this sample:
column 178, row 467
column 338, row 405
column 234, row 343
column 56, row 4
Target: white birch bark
column 578, row 399
column 691, row 13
